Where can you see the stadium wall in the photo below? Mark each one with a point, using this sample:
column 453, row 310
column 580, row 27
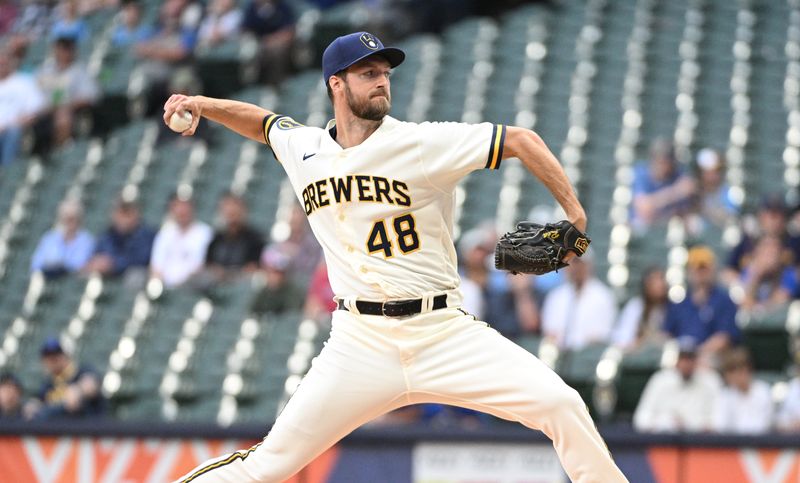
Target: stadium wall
column 111, row 452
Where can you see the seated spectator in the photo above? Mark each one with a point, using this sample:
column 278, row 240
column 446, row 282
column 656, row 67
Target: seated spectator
column 237, row 247
column 125, row 247
column 745, row 404
column 67, row 247
column 168, row 48
column 10, row 397
column 68, row 22
column 179, row 249
column 21, row 101
column 129, row 28
column 223, row 22
column 679, row 398
column 660, row 188
column 642, row 318
column 768, row 281
column 715, row 203
column 319, row 298
column 506, row 302
column 280, row 293
column 771, row 221
column 707, row 312
column 69, row 88
column 582, row 311
column 788, row 418
column 272, row 22
column 70, row 390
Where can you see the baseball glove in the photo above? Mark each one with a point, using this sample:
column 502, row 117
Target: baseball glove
column 539, row 249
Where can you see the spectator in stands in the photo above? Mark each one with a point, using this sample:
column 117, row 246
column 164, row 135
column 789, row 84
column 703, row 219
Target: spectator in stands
column 280, row 293
column 715, row 202
column 642, row 319
column 68, row 22
column 707, row 312
column 788, row 418
column 301, row 246
column 170, row 46
column 506, row 301
column 223, row 22
column 660, row 188
column 237, row 247
column 179, row 249
column 319, row 298
column 21, row 101
column 771, row 221
column 679, row 398
column 69, row 89
column 272, row 22
column 67, row 247
column 70, row 390
column 768, row 280
column 745, row 404
column 130, row 29
column 8, row 15
column 125, row 247
column 11, row 392
column 582, row 311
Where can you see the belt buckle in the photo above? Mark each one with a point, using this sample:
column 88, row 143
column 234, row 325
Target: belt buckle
column 391, row 309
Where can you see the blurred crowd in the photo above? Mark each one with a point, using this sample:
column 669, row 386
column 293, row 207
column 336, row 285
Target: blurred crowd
column 45, row 105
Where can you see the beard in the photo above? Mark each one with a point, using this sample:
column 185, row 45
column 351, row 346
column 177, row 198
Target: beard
column 370, row 109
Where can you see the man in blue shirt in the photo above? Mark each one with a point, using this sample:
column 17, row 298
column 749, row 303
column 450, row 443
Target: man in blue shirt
column 125, row 246
column 660, row 188
column 707, row 313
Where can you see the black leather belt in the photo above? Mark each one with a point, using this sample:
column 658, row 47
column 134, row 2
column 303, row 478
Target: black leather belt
column 395, row 308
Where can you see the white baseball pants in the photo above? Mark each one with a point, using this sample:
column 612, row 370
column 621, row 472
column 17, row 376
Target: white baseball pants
column 372, row 365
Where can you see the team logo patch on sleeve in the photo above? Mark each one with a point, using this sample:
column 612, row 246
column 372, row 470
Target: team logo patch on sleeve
column 368, row 40
column 286, row 123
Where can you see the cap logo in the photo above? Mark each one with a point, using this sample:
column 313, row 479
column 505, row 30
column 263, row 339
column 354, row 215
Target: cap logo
column 369, row 41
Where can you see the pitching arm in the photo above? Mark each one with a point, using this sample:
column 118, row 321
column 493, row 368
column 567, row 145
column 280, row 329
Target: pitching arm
column 539, row 160
column 240, row 117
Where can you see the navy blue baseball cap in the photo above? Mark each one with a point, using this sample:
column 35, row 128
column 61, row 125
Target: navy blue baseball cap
column 51, row 346
column 349, row 49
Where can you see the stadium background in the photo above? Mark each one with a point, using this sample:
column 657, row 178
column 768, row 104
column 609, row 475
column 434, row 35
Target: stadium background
column 598, row 79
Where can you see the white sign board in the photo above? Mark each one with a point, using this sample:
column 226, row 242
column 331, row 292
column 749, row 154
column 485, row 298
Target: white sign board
column 486, row 463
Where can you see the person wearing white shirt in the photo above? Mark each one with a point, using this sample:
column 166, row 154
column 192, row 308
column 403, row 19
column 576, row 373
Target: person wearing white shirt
column 179, row 249
column 679, row 398
column 642, row 318
column 789, row 415
column 21, row 101
column 222, row 22
column 745, row 404
column 581, row 311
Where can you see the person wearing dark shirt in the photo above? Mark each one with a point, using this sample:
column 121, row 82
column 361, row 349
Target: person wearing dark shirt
column 772, row 221
column 237, row 247
column 69, row 391
column 124, row 248
column 272, row 21
column 707, row 312
column 10, row 397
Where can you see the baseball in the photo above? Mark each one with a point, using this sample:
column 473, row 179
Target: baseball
column 180, row 121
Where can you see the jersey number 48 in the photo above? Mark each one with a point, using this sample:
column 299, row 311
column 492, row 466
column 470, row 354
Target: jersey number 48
column 405, row 233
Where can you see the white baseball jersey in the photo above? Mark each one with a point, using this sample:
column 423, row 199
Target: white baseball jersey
column 383, row 210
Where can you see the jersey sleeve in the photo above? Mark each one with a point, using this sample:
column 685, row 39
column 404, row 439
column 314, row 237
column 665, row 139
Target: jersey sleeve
column 278, row 133
column 451, row 150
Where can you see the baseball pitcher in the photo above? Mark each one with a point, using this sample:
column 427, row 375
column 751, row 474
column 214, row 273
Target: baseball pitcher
column 379, row 194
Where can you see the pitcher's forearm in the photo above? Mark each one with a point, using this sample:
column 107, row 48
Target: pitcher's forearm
column 241, row 117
